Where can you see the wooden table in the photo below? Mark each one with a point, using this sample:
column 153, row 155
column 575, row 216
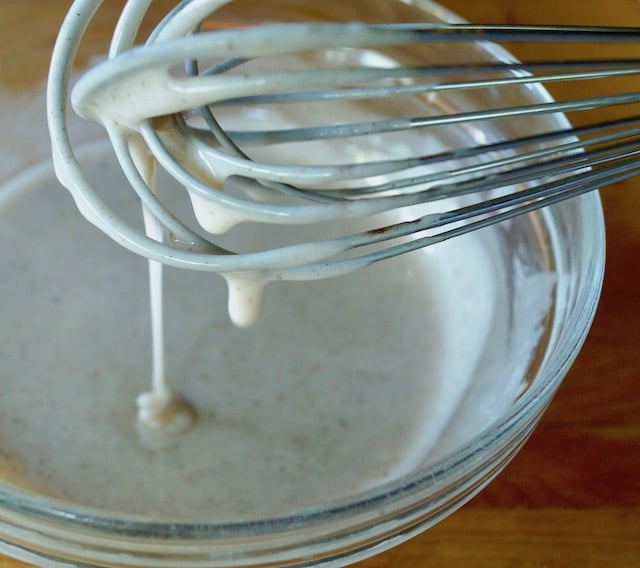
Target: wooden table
column 572, row 496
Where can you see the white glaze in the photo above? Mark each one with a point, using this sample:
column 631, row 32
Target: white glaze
column 340, row 385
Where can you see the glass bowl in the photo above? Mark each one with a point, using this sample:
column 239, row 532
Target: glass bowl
column 57, row 316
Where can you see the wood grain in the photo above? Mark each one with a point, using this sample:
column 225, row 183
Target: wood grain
column 572, row 495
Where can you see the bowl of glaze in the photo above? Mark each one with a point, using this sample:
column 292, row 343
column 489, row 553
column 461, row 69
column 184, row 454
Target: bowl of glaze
column 356, row 413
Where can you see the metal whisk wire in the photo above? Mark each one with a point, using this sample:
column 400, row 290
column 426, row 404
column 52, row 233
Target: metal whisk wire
column 222, row 71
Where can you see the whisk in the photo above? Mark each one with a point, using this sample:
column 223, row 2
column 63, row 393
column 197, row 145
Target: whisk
column 172, row 101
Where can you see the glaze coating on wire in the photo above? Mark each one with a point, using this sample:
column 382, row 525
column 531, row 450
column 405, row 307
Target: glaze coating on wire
column 223, row 71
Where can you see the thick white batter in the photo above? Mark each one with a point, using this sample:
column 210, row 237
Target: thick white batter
column 340, row 385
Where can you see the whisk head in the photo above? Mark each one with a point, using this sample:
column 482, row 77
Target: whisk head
column 317, row 123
